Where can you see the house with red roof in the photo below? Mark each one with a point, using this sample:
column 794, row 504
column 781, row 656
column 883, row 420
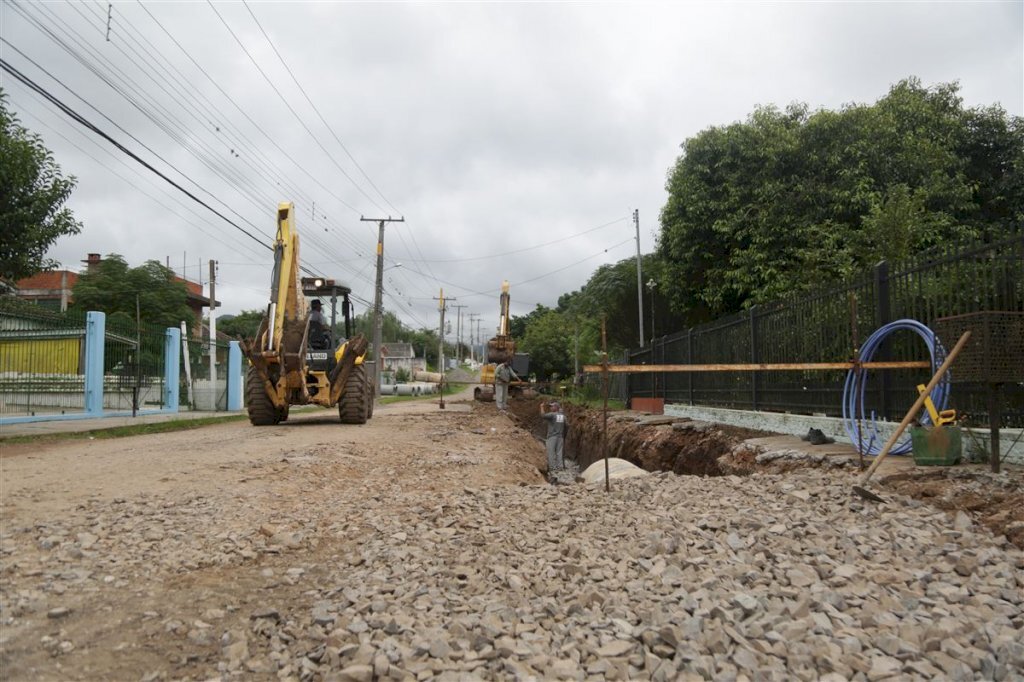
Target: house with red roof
column 52, row 290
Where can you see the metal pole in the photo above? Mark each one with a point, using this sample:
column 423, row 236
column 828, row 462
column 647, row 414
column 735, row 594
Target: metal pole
column 138, row 356
column 213, row 335
column 640, row 278
column 604, row 411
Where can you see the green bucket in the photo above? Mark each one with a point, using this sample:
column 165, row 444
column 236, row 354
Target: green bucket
column 936, row 445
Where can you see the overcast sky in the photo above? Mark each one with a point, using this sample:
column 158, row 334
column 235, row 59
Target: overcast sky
column 515, row 138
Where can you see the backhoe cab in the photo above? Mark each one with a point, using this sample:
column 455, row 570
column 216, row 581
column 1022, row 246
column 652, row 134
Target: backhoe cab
column 296, row 358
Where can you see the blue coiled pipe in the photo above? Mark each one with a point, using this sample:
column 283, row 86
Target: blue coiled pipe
column 856, row 387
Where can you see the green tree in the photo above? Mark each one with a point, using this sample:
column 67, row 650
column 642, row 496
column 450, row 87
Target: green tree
column 549, row 346
column 391, row 327
column 112, row 287
column 789, row 199
column 242, row 325
column 32, row 191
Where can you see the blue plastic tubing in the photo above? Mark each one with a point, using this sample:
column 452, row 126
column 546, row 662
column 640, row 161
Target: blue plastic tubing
column 856, row 387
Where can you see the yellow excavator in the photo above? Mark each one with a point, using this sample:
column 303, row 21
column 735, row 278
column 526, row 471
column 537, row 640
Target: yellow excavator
column 502, row 348
column 295, row 359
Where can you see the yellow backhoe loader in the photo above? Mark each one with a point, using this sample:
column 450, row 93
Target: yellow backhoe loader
column 295, row 359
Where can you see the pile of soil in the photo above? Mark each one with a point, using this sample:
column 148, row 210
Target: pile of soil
column 994, row 500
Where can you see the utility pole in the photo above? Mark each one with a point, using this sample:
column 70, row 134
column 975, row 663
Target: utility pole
column 458, row 333
column 472, row 337
column 441, row 307
column 639, row 275
column 378, row 293
column 213, row 334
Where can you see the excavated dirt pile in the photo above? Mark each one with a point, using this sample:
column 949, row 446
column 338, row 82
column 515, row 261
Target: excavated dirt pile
column 653, row 442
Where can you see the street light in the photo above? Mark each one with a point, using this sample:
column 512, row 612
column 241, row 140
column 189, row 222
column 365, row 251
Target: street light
column 651, row 284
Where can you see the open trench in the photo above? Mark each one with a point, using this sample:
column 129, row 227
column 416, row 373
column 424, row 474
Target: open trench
column 654, row 443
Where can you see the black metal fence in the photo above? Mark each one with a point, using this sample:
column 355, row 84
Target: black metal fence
column 826, row 326
column 133, row 358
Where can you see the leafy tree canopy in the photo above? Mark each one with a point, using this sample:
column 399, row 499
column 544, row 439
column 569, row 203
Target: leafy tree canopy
column 790, row 199
column 549, row 345
column 424, row 341
column 243, row 325
column 32, row 191
column 112, row 287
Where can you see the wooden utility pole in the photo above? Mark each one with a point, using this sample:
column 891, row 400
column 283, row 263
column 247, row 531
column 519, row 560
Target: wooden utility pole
column 377, row 295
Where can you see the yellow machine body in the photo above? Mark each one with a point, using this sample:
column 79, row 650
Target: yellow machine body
column 279, row 354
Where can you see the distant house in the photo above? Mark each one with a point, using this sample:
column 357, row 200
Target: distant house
column 52, row 290
column 32, row 345
column 395, row 356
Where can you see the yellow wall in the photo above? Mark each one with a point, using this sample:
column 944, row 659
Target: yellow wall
column 40, row 356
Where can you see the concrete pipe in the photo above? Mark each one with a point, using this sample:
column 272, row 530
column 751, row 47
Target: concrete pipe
column 428, row 377
column 406, row 389
column 617, row 469
column 388, row 389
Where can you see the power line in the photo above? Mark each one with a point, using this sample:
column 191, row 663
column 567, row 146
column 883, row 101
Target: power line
column 78, row 118
column 301, row 168
column 315, row 109
column 74, row 53
column 211, row 235
column 527, row 248
column 292, row 110
column 236, row 181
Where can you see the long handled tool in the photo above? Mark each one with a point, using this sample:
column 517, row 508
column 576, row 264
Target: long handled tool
column 911, row 413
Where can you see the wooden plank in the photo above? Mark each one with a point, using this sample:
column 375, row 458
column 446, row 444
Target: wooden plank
column 763, row 367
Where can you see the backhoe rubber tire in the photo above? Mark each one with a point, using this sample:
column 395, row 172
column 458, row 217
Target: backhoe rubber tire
column 353, row 407
column 257, row 403
column 371, row 399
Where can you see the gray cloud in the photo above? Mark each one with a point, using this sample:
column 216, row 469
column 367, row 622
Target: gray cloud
column 491, row 127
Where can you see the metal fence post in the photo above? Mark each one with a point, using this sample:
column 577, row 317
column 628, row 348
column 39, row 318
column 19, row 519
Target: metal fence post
column 172, row 368
column 753, row 357
column 234, row 401
column 95, row 338
column 689, row 361
column 883, row 315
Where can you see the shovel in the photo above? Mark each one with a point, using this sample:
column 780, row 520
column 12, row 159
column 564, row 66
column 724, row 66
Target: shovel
column 915, row 408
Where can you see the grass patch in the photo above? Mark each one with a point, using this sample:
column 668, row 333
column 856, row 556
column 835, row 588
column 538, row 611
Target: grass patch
column 596, row 403
column 125, row 431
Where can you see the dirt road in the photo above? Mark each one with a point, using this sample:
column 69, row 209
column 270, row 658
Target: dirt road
column 426, row 545
column 111, row 546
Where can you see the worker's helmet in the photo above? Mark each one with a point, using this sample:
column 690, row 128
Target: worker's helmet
column 316, row 304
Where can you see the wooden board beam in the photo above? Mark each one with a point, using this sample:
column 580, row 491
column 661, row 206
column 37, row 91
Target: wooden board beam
column 754, row 367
